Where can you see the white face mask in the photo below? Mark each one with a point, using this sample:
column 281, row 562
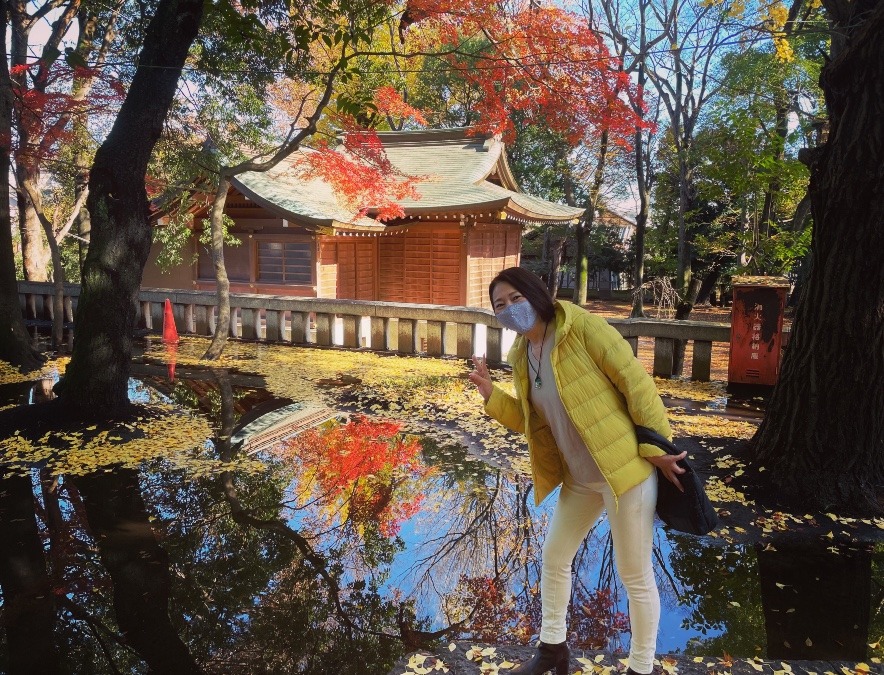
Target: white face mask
column 519, row 316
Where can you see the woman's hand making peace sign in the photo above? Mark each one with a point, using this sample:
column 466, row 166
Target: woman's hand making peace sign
column 481, row 377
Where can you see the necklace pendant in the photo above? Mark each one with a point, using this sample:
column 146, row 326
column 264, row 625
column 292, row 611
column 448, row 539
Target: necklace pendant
column 538, row 383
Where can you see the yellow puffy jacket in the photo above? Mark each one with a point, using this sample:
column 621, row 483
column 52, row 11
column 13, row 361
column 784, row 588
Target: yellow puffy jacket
column 605, row 391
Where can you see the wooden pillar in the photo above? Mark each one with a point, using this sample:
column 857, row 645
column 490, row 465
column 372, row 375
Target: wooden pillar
column 664, row 356
column 30, row 306
column 146, row 319
column 406, row 336
column 633, row 342
column 701, row 365
column 48, row 307
column 68, row 309
column 274, row 330
column 379, row 334
column 189, row 319
column 352, row 326
column 434, row 338
column 324, row 329
column 298, row 328
column 464, row 340
column 156, row 315
column 492, row 345
column 201, row 320
column 234, row 322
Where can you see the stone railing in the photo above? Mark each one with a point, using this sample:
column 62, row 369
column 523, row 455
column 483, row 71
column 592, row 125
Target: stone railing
column 433, row 330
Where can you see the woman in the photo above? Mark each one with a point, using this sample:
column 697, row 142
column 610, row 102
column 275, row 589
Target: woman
column 580, row 392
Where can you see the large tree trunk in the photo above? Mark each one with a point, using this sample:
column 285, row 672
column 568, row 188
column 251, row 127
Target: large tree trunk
column 28, row 600
column 31, row 193
column 710, row 281
column 556, row 248
column 34, row 248
column 682, row 313
column 98, row 374
column 584, row 226
column 641, row 224
column 138, row 567
column 14, row 342
column 822, row 441
column 222, row 325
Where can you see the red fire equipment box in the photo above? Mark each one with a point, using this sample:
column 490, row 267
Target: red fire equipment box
column 757, row 329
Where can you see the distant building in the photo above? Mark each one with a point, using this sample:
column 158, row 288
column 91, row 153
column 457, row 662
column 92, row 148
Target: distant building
column 298, row 240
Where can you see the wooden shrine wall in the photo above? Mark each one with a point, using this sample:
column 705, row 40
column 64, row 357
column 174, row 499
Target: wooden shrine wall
column 492, row 248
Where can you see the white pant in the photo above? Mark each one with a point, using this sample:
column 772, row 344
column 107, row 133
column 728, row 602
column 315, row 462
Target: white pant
column 632, row 529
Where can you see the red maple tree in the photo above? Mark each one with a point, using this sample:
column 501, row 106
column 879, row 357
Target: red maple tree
column 542, row 62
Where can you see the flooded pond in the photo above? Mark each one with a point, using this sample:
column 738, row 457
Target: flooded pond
column 352, row 545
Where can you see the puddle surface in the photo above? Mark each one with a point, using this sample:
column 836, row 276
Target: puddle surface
column 354, row 544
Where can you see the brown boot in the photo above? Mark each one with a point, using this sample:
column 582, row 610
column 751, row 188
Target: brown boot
column 548, row 657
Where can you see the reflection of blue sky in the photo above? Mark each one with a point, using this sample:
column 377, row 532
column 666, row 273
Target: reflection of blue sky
column 673, row 636
column 447, row 507
column 139, row 392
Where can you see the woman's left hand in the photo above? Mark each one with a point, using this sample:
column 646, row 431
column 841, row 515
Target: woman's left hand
column 669, row 466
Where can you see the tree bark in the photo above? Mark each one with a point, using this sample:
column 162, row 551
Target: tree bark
column 682, row 312
column 138, row 567
column 15, row 345
column 584, row 225
column 709, row 282
column 35, row 250
column 222, row 325
column 641, row 220
column 97, row 376
column 32, row 196
column 555, row 265
column 28, row 601
column 822, row 440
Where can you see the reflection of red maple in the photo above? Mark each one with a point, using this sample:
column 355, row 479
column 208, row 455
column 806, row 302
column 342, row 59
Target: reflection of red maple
column 595, row 620
column 498, row 616
column 369, row 469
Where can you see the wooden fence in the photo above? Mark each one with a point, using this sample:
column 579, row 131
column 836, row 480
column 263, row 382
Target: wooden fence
column 433, row 330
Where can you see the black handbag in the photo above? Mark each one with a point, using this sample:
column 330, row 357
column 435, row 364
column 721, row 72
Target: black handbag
column 689, row 511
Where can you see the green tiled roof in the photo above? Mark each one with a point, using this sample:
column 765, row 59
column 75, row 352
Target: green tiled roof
column 454, row 165
column 312, row 201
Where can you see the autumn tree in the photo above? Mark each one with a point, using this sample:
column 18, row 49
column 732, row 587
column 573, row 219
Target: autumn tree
column 822, row 439
column 97, row 377
column 14, row 342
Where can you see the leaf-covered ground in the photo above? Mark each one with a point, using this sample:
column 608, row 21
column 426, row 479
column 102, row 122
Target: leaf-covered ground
column 463, row 658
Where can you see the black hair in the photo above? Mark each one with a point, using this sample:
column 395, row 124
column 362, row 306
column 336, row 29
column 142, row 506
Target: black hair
column 530, row 286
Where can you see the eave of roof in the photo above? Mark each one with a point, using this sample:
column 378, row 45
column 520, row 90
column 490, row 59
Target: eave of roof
column 454, row 165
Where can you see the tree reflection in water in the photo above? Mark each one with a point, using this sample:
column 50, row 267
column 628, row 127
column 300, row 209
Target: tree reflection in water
column 323, row 564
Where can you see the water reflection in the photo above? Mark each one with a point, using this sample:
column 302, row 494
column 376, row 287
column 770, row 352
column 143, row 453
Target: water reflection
column 357, row 544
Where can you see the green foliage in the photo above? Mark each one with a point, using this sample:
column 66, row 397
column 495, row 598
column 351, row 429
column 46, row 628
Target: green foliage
column 176, row 234
column 724, row 597
column 539, row 158
column 605, row 250
column 737, row 159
